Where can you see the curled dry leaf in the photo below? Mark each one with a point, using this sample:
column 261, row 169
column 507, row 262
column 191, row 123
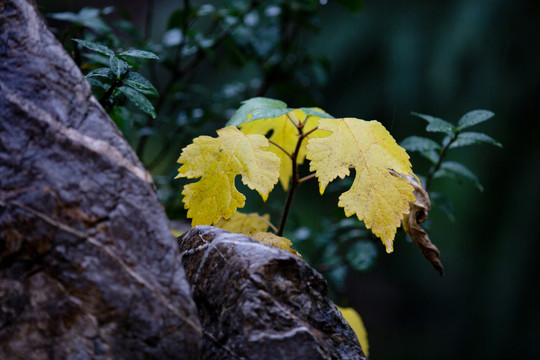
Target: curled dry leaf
column 418, row 213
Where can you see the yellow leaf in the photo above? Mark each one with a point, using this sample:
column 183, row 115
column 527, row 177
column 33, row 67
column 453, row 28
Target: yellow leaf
column 176, row 233
column 285, row 134
column 245, row 223
column 356, row 323
column 376, row 197
column 275, row 241
column 217, row 161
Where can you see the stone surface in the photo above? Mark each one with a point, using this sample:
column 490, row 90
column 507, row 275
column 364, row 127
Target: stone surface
column 259, row 302
column 88, row 267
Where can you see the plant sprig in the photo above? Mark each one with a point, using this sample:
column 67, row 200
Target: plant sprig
column 119, row 78
column 456, row 136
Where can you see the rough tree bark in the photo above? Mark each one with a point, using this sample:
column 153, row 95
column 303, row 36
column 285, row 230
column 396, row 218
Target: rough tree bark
column 258, row 302
column 88, row 268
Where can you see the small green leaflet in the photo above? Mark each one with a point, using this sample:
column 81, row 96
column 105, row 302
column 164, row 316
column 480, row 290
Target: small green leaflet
column 436, row 124
column 138, row 100
column 241, row 115
column 118, row 66
column 473, row 138
column 418, row 143
column 101, row 72
column 458, row 171
column 474, row 117
column 431, row 155
column 88, row 17
column 139, row 54
column 264, row 108
column 95, row 82
column 140, row 83
column 102, row 49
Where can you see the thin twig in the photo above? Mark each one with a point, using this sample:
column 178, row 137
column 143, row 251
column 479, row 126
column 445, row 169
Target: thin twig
column 294, row 183
column 306, row 178
column 116, row 83
column 310, row 132
column 280, row 148
column 437, row 166
column 291, row 119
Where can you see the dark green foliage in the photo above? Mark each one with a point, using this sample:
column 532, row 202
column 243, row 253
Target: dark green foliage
column 455, row 138
column 120, row 73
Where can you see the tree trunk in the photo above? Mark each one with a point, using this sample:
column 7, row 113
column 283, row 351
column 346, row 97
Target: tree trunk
column 88, row 267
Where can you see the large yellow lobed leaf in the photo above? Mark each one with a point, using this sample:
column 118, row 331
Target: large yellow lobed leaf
column 376, row 197
column 217, row 161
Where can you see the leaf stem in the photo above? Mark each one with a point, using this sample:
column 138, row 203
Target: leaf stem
column 280, row 148
column 294, row 183
column 291, row 119
column 116, row 83
column 437, row 166
column 307, row 177
column 310, row 132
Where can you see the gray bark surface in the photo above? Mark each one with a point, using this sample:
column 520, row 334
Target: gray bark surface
column 88, row 267
column 260, row 302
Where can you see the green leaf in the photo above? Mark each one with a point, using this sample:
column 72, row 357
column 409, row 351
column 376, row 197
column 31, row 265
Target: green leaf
column 97, row 83
column 102, row 49
column 122, row 117
column 437, row 125
column 473, row 138
column 458, row 171
column 88, row 17
column 97, row 58
column 474, row 117
column 418, row 143
column 140, row 83
column 205, row 10
column 65, row 16
column 431, row 155
column 313, row 112
column 362, row 255
column 139, row 54
column 264, row 108
column 101, row 72
column 139, row 100
column 118, row 66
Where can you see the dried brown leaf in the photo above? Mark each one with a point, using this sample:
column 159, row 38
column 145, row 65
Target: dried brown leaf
column 419, row 210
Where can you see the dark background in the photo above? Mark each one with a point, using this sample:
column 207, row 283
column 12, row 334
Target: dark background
column 442, row 58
